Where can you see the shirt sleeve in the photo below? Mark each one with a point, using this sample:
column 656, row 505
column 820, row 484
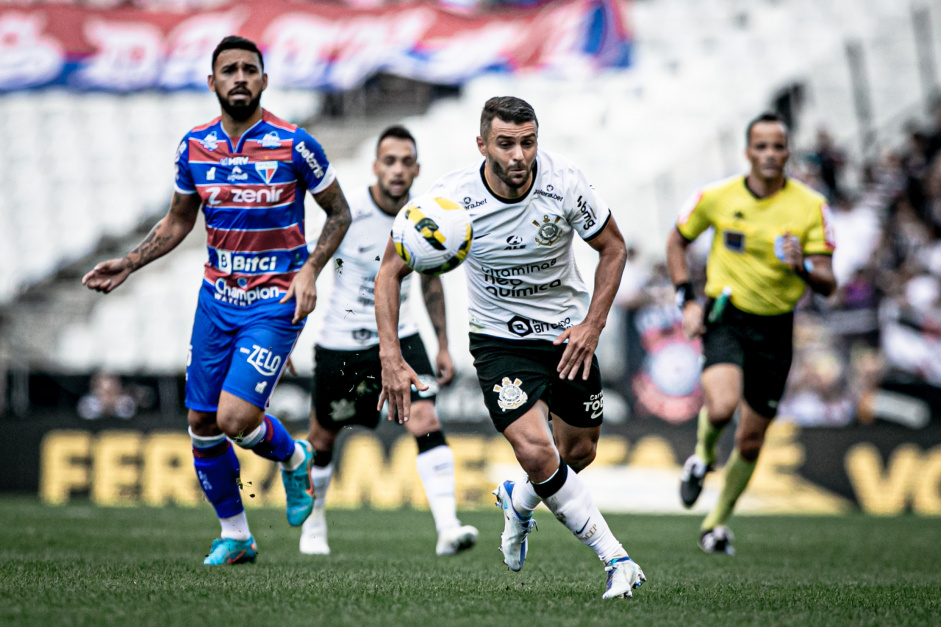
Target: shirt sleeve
column 695, row 217
column 588, row 213
column 183, row 181
column 310, row 163
column 819, row 239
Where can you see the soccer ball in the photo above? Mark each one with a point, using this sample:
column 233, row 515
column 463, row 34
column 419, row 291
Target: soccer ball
column 432, row 234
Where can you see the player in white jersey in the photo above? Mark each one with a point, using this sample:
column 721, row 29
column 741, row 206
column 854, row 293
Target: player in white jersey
column 534, row 326
column 346, row 380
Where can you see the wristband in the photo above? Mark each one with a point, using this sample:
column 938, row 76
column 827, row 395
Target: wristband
column 809, row 266
column 684, row 294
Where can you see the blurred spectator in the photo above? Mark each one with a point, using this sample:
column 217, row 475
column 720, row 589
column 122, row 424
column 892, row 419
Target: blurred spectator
column 829, row 161
column 107, row 398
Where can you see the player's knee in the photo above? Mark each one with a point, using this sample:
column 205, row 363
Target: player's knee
column 749, row 445
column 321, row 439
column 423, row 419
column 537, row 457
column 579, row 455
column 202, row 423
column 721, row 409
column 237, row 425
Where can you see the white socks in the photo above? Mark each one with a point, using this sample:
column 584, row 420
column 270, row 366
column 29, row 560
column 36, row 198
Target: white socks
column 436, row 469
column 525, row 498
column 320, row 481
column 574, row 508
column 235, row 527
column 296, row 459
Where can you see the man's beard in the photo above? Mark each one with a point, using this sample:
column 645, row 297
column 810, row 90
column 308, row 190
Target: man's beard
column 240, row 112
column 504, row 175
column 385, row 191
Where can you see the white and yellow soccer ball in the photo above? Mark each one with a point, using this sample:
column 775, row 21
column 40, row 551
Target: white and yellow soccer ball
column 432, row 234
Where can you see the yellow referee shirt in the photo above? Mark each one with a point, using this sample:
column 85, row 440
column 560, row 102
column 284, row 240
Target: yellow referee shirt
column 748, row 243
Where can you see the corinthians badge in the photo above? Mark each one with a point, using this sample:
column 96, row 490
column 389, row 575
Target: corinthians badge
column 511, row 395
column 548, row 231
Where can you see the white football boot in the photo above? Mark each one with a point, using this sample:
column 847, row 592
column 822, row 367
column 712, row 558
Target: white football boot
column 456, row 540
column 623, row 576
column 314, row 534
column 516, row 528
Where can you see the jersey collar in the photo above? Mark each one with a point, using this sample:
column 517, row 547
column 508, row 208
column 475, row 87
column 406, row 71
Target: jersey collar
column 756, row 196
column 251, row 129
column 510, row 201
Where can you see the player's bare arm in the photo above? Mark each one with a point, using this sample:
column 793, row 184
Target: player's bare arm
column 583, row 338
column 433, row 293
column 816, row 270
column 679, row 274
column 304, row 286
column 397, row 376
column 164, row 237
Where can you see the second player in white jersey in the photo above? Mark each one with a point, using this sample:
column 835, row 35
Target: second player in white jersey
column 521, row 272
column 350, row 322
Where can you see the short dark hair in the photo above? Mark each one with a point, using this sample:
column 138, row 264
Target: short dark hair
column 508, row 109
column 234, row 42
column 768, row 116
column 398, row 132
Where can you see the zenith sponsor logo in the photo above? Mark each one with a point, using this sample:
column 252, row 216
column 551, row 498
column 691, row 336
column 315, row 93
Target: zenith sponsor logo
column 311, row 158
column 237, row 296
column 216, row 196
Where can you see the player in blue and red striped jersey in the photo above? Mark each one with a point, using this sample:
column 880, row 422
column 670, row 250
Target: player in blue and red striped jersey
column 248, row 171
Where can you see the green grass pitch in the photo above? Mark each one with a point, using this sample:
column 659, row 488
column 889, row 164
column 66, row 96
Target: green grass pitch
column 82, row 565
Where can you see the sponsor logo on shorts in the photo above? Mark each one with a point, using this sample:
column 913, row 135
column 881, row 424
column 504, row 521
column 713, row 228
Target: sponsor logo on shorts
column 511, row 395
column 522, row 327
column 260, row 388
column 263, row 360
column 549, row 231
column 595, row 405
column 342, row 410
column 238, row 296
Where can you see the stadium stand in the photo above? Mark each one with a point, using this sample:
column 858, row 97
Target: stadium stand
column 648, row 136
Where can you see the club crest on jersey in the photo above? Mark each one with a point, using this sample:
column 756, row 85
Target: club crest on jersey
column 266, row 169
column 210, row 142
column 270, row 140
column 549, row 231
column 342, row 410
column 511, row 395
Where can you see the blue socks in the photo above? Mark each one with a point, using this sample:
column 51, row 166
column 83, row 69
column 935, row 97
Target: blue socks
column 217, row 469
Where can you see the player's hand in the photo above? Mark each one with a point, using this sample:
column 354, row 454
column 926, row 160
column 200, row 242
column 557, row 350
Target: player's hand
column 693, row 325
column 397, row 381
column 582, row 342
column 444, row 367
column 793, row 253
column 304, row 290
column 107, row 275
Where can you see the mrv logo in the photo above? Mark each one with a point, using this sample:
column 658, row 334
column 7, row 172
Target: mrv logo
column 263, row 360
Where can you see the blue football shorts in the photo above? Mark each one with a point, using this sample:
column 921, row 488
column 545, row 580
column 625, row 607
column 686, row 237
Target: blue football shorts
column 241, row 350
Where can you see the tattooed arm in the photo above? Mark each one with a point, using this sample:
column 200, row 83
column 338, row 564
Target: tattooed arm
column 304, row 286
column 164, row 237
column 433, row 293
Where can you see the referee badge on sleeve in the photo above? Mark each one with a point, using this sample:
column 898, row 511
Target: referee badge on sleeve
column 511, row 394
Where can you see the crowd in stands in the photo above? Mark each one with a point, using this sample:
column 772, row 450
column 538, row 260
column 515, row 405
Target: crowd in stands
column 873, row 349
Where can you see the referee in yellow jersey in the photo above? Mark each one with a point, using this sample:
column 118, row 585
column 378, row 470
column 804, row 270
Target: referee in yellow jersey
column 771, row 240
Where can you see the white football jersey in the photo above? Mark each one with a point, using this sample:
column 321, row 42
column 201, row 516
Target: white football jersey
column 350, row 320
column 522, row 280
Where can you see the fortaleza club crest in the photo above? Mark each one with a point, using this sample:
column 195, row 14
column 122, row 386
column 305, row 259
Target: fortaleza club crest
column 549, row 231
column 511, row 394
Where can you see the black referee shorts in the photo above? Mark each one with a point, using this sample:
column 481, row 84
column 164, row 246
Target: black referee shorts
column 762, row 346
